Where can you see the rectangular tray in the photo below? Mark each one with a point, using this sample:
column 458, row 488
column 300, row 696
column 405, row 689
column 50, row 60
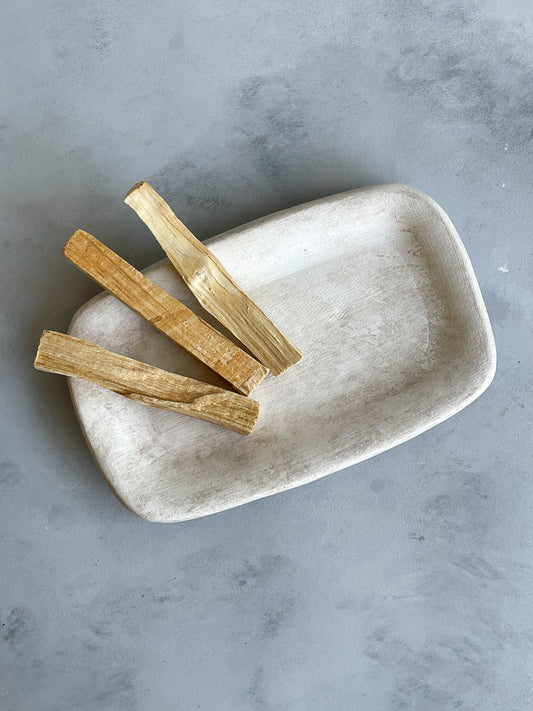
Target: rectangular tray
column 375, row 288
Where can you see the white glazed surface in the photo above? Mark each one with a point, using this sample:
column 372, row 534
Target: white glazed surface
column 375, row 288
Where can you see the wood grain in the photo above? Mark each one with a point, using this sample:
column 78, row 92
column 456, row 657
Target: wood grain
column 209, row 281
column 163, row 311
column 75, row 357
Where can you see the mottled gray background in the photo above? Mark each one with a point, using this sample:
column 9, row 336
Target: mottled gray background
column 403, row 583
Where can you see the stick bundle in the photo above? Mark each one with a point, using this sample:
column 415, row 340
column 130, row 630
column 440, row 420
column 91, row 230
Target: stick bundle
column 216, row 291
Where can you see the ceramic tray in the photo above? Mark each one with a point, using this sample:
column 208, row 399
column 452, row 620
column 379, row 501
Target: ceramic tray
column 376, row 289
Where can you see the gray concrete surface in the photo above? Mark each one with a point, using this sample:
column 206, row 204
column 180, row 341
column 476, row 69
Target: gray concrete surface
column 403, row 583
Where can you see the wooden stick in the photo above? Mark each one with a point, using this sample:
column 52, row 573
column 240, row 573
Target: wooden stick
column 66, row 355
column 164, row 312
column 211, row 284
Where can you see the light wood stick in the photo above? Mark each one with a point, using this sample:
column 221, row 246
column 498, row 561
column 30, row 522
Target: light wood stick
column 211, row 284
column 164, row 312
column 66, row 355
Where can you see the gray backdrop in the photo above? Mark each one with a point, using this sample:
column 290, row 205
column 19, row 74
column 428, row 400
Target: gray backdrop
column 402, row 583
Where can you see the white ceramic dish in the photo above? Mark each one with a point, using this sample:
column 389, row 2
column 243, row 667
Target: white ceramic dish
column 376, row 289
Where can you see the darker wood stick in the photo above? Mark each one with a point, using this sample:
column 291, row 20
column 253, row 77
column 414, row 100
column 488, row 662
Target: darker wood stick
column 163, row 311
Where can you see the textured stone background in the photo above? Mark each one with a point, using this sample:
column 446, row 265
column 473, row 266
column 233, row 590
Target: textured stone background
column 403, row 583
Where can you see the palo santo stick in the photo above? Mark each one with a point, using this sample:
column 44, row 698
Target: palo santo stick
column 211, row 284
column 164, row 312
column 66, row 355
